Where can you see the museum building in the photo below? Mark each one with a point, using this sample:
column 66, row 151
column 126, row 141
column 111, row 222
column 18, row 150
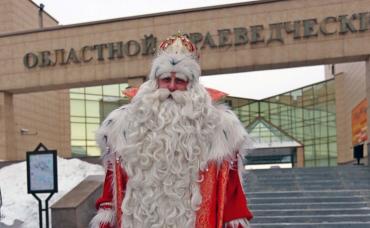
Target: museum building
column 58, row 82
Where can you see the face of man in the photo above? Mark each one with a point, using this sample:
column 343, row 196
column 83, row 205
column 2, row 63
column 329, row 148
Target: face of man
column 172, row 82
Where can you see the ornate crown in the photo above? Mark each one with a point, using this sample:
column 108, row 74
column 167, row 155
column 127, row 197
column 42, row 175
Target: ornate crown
column 178, row 44
column 176, row 54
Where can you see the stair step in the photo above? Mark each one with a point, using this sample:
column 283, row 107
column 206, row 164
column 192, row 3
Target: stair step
column 303, row 172
column 314, row 212
column 307, row 176
column 328, row 197
column 312, row 225
column 343, row 169
column 364, row 179
column 305, row 193
column 305, row 187
column 307, row 205
column 307, row 199
column 313, row 219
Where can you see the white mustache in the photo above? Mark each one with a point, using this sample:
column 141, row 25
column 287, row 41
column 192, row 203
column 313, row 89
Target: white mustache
column 178, row 96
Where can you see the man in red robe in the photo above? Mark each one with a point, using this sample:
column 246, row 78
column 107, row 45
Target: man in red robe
column 172, row 155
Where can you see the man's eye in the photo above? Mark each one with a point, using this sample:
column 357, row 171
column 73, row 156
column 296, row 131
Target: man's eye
column 181, row 81
column 166, row 79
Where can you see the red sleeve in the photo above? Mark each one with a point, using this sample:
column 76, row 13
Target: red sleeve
column 105, row 200
column 105, row 203
column 105, row 216
column 236, row 203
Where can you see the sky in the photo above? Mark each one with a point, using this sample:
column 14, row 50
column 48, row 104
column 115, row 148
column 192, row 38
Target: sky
column 254, row 85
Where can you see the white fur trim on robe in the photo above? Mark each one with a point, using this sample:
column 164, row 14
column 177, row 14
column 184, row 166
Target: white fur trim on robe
column 230, row 136
column 104, row 216
column 103, row 134
column 237, row 223
column 106, row 126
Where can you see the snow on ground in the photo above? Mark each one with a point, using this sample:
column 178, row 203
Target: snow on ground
column 17, row 204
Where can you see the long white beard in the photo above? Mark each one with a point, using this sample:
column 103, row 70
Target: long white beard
column 165, row 147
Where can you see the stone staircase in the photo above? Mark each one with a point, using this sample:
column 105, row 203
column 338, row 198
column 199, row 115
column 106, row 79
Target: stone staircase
column 331, row 197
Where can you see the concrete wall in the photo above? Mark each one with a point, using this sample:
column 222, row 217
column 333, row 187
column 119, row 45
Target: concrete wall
column 31, row 109
column 45, row 115
column 25, row 16
column 300, row 157
column 20, row 15
column 7, row 136
column 350, row 91
column 5, row 17
column 77, row 207
column 316, row 49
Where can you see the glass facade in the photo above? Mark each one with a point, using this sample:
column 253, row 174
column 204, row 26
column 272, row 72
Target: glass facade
column 266, row 135
column 88, row 107
column 306, row 115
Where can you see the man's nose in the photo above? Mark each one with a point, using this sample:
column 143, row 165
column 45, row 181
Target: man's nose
column 172, row 85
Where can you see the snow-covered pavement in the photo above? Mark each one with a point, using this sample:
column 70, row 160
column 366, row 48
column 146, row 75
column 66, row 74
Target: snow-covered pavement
column 17, row 204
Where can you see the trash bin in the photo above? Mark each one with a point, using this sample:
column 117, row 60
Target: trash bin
column 358, row 152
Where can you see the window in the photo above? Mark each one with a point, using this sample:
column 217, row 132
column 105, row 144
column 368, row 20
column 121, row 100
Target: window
column 89, row 107
column 306, row 114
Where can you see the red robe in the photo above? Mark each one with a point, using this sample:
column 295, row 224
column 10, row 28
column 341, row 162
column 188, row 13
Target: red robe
column 223, row 199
